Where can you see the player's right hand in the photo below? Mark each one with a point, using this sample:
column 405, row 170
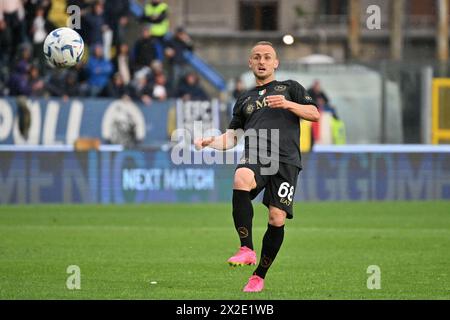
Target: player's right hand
column 201, row 143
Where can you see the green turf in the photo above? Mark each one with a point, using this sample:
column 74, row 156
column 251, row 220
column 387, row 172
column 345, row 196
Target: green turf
column 325, row 255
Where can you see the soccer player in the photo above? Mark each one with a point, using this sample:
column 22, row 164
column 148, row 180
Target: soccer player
column 271, row 105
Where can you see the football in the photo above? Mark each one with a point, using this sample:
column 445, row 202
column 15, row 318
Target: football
column 63, row 48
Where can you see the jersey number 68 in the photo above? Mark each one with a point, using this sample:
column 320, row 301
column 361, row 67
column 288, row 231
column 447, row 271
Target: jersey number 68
column 286, row 190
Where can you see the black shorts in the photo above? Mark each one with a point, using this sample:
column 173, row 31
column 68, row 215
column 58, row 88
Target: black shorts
column 279, row 188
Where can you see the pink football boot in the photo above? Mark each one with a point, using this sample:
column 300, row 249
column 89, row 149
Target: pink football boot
column 245, row 256
column 254, row 284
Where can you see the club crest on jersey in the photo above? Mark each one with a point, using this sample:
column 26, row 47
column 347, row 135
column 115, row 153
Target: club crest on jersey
column 280, row 87
column 262, row 92
column 245, row 160
column 249, row 108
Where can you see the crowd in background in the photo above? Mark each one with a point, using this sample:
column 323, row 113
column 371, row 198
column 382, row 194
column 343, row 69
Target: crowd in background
column 153, row 68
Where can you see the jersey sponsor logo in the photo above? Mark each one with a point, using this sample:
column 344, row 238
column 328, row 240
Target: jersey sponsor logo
column 261, row 104
column 280, row 87
column 262, row 92
column 285, row 202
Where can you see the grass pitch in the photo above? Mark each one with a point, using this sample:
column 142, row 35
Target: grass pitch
column 121, row 250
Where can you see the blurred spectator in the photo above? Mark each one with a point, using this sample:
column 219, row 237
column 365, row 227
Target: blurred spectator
column 156, row 12
column 116, row 16
column 71, row 86
column 190, row 89
column 25, row 55
column 159, row 88
column 149, row 72
column 57, row 14
column 238, row 88
column 316, row 92
column 141, row 73
column 19, row 83
column 82, row 78
column 338, row 130
column 55, row 82
column 36, row 83
column 99, row 70
column 96, row 24
column 39, row 33
column 156, row 67
column 4, row 90
column 174, row 53
column 329, row 129
column 315, row 126
column 85, row 9
column 117, row 87
column 122, row 63
column 142, row 90
column 31, row 7
column 5, row 57
column 320, row 129
column 11, row 28
column 144, row 49
column 64, row 83
column 4, row 44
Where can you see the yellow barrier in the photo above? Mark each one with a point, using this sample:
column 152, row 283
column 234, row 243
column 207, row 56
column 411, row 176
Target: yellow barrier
column 305, row 136
column 441, row 111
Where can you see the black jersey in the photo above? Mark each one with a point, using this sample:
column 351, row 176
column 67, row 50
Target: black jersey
column 251, row 111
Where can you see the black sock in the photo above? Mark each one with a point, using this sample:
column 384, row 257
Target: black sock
column 242, row 216
column 273, row 238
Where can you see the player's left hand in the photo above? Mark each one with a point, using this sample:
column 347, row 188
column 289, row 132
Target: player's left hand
column 277, row 101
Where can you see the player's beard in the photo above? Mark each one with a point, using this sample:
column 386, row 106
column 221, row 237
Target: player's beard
column 261, row 77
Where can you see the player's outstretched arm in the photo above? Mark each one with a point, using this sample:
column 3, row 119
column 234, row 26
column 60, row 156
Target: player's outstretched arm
column 305, row 111
column 223, row 142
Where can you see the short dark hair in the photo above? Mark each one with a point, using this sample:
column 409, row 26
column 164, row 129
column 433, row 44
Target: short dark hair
column 264, row 43
column 179, row 29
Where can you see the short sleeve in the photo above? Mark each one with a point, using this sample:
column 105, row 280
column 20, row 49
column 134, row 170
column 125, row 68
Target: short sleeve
column 300, row 95
column 237, row 121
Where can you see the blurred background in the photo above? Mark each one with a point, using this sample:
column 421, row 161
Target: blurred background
column 379, row 71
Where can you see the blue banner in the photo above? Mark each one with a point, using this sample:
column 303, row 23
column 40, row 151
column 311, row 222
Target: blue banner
column 141, row 177
column 57, row 121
